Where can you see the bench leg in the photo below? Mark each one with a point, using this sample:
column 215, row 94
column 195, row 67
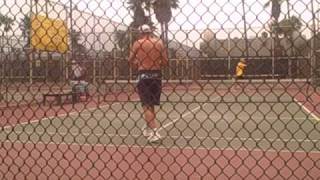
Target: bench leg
column 44, row 100
column 74, row 98
column 59, row 100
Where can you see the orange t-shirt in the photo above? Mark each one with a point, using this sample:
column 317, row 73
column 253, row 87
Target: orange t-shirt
column 148, row 53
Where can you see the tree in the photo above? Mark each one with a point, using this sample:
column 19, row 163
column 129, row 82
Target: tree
column 275, row 8
column 161, row 8
column 209, row 48
column 122, row 39
column 7, row 24
column 287, row 27
column 139, row 17
column 163, row 12
column 75, row 38
column 25, row 27
column 275, row 14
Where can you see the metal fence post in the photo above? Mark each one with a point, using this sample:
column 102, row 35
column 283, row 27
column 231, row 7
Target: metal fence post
column 313, row 51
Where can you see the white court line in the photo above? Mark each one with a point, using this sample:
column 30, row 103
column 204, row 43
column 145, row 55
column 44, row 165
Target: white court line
column 161, row 128
column 184, row 115
column 157, row 146
column 51, row 117
column 307, row 110
column 124, row 135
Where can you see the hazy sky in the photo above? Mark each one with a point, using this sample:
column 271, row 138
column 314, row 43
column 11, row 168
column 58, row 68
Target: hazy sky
column 201, row 14
column 192, row 17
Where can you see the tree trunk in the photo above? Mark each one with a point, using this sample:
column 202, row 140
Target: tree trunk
column 162, row 32
column 166, row 29
column 277, row 45
column 288, row 9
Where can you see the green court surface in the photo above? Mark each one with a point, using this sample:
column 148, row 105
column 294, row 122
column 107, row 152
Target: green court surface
column 199, row 119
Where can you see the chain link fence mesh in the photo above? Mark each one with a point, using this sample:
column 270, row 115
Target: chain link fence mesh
column 212, row 124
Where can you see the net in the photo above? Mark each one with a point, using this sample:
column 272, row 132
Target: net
column 217, row 91
column 191, row 85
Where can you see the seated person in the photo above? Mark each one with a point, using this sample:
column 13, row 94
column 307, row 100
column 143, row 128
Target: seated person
column 78, row 79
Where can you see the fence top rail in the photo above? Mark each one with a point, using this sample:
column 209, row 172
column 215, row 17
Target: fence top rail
column 284, row 80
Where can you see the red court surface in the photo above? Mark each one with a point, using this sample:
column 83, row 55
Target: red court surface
column 311, row 103
column 62, row 161
column 30, row 113
column 26, row 113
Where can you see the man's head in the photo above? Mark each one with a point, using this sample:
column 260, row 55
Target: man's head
column 243, row 60
column 145, row 29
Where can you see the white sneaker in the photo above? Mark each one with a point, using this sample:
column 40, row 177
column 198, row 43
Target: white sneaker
column 147, row 132
column 155, row 136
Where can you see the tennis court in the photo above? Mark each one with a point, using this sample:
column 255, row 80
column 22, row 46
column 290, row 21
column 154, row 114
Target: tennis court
column 205, row 130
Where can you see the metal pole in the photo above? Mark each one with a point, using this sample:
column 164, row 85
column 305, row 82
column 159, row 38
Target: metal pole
column 2, row 63
column 272, row 54
column 130, row 44
column 114, row 66
column 245, row 30
column 5, row 69
column 66, row 58
column 291, row 45
column 30, row 52
column 94, row 49
column 70, row 19
column 313, row 51
column 229, row 57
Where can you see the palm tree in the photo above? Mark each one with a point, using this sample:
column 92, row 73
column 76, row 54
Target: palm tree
column 7, row 24
column 163, row 12
column 139, row 17
column 275, row 8
column 287, row 27
column 275, row 14
column 288, row 8
column 25, row 28
column 75, row 37
column 161, row 8
column 122, row 38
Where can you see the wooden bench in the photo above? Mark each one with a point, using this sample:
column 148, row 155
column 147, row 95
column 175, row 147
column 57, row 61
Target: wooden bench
column 59, row 95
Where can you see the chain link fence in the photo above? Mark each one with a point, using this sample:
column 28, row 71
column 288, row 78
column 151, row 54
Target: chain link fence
column 211, row 124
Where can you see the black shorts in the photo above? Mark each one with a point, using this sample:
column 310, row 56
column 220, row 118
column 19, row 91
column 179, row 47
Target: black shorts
column 149, row 89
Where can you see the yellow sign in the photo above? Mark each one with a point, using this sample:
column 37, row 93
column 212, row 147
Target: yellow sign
column 49, row 34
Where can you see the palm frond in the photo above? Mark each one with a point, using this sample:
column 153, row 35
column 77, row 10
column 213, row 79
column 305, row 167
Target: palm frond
column 267, row 4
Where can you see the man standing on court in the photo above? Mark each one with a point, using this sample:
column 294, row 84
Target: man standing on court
column 148, row 54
